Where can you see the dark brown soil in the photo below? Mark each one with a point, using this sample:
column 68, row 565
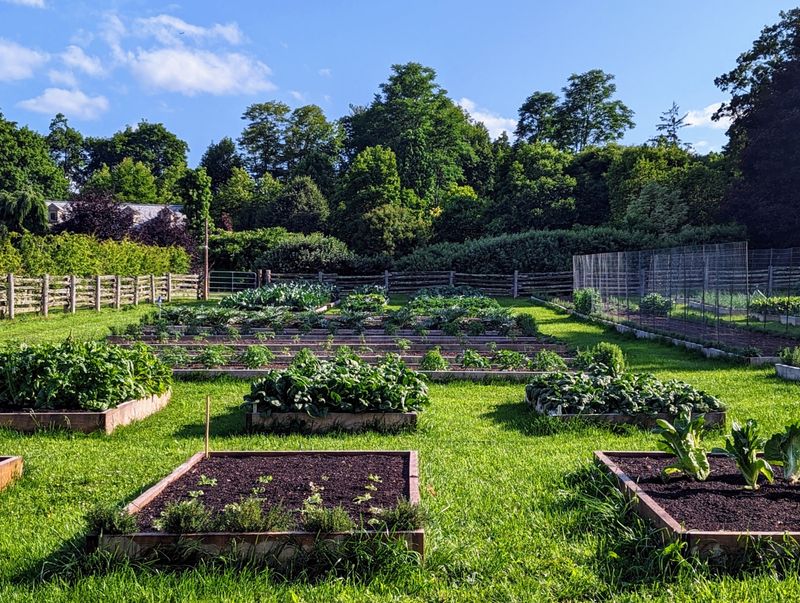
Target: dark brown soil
column 342, row 476
column 721, row 502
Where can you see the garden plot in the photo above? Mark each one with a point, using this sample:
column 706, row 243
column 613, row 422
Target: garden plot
column 274, row 505
column 80, row 386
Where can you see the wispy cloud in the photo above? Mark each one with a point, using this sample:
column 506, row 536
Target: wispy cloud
column 192, row 72
column 62, row 78
column 72, row 103
column 31, row 3
column 76, row 58
column 325, row 72
column 18, row 62
column 297, row 95
column 495, row 123
column 701, row 118
column 171, row 30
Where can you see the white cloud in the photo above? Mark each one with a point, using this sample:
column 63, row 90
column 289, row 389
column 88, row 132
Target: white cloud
column 192, row 72
column 62, row 78
column 18, row 62
column 112, row 30
column 325, row 72
column 75, row 57
column 701, row 118
column 32, row 3
column 171, row 30
column 296, row 95
column 496, row 124
column 72, row 103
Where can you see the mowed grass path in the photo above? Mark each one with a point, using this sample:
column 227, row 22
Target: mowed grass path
column 491, row 479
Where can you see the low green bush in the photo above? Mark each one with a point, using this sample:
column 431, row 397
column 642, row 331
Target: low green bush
column 604, row 357
column 448, row 291
column 364, row 302
column 297, row 295
column 626, row 393
column 655, row 304
column 79, row 375
column 790, row 356
column 454, row 315
column 586, row 301
column 433, row 360
column 776, row 305
column 344, row 384
column 547, row 360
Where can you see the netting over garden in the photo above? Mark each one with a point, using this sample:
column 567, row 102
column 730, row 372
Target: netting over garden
column 712, row 294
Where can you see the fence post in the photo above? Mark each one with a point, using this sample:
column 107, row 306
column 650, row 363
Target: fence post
column 515, row 286
column 45, row 294
column 152, row 288
column 769, row 282
column 269, row 276
column 320, row 276
column 10, row 294
column 136, row 290
column 169, row 287
column 117, row 292
column 452, row 277
column 98, row 294
column 386, row 280
column 73, row 293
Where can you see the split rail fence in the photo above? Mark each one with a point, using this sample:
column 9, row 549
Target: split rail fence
column 549, row 284
column 21, row 294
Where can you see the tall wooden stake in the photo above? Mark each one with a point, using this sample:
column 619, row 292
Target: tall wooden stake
column 205, row 265
column 208, row 421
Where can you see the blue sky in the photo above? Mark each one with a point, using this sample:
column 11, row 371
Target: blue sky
column 196, row 65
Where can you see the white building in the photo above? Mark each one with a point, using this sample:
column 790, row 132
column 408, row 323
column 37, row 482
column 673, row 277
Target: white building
column 142, row 212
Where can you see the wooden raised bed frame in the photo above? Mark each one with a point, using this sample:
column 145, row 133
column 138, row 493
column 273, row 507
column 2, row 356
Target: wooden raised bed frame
column 712, row 419
column 284, row 545
column 86, row 421
column 10, row 469
column 701, row 542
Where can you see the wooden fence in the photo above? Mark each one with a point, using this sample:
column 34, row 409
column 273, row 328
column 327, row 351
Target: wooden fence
column 20, row 294
column 517, row 284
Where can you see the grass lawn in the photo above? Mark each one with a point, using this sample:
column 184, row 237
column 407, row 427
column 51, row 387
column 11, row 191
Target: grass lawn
column 505, row 524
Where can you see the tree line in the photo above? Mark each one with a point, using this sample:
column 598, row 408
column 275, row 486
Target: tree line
column 412, row 168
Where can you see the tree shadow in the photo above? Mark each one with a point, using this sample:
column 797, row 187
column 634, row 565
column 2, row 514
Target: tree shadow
column 232, row 423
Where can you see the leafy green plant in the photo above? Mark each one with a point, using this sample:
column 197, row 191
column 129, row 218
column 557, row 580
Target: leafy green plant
column 184, row 517
column 248, row 515
column 684, row 439
column 629, row 393
column 783, row 450
column 433, row 360
column 326, row 519
column 472, row 359
column 403, row 344
column 454, row 315
column 403, row 516
column 547, row 360
column 786, row 305
column 207, row 481
column 604, row 357
column 743, row 445
column 84, row 375
column 526, row 325
column 344, row 384
column 790, row 356
column 586, row 301
column 104, row 519
column 449, row 291
column 256, row 356
column 174, row 356
column 510, row 360
column 297, row 295
column 364, row 302
column 655, row 304
column 212, row 356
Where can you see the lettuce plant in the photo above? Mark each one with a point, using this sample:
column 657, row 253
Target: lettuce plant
column 684, row 439
column 783, row 449
column 743, row 446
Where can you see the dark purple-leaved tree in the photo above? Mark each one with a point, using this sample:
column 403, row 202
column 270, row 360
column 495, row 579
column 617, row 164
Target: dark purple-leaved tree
column 98, row 214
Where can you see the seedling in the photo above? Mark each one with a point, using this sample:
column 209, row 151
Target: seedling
column 684, row 439
column 743, row 446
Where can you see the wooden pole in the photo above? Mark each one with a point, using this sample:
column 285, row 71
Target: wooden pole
column 269, row 276
column 10, row 294
column 98, row 294
column 73, row 293
column 152, row 288
column 169, row 287
column 205, row 265
column 452, row 278
column 45, row 294
column 136, row 290
column 117, row 292
column 515, row 288
column 386, row 280
column 208, row 422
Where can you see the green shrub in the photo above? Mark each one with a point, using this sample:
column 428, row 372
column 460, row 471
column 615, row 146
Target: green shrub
column 790, row 356
column 776, row 305
column 586, row 301
column 626, row 393
column 174, row 356
column 185, row 517
column 104, row 519
column 454, row 315
column 248, row 516
column 472, row 359
column 604, row 357
column 326, row 520
column 240, row 250
column 448, row 291
column 526, row 325
column 88, row 375
column 403, row 516
column 655, row 304
column 256, row 356
column 433, row 360
column 213, row 356
column 308, row 253
column 364, row 302
column 345, row 384
column 547, row 360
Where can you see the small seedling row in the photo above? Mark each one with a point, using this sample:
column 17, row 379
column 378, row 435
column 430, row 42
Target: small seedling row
column 457, row 374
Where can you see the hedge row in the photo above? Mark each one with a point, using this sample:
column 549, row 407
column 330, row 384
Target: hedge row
column 84, row 255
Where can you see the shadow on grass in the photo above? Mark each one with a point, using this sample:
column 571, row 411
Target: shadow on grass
column 518, row 416
column 229, row 424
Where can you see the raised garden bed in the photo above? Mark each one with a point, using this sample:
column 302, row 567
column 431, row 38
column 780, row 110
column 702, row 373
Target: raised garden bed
column 712, row 419
column 290, row 475
column 788, row 372
column 10, row 469
column 714, row 517
column 84, row 421
column 333, row 421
